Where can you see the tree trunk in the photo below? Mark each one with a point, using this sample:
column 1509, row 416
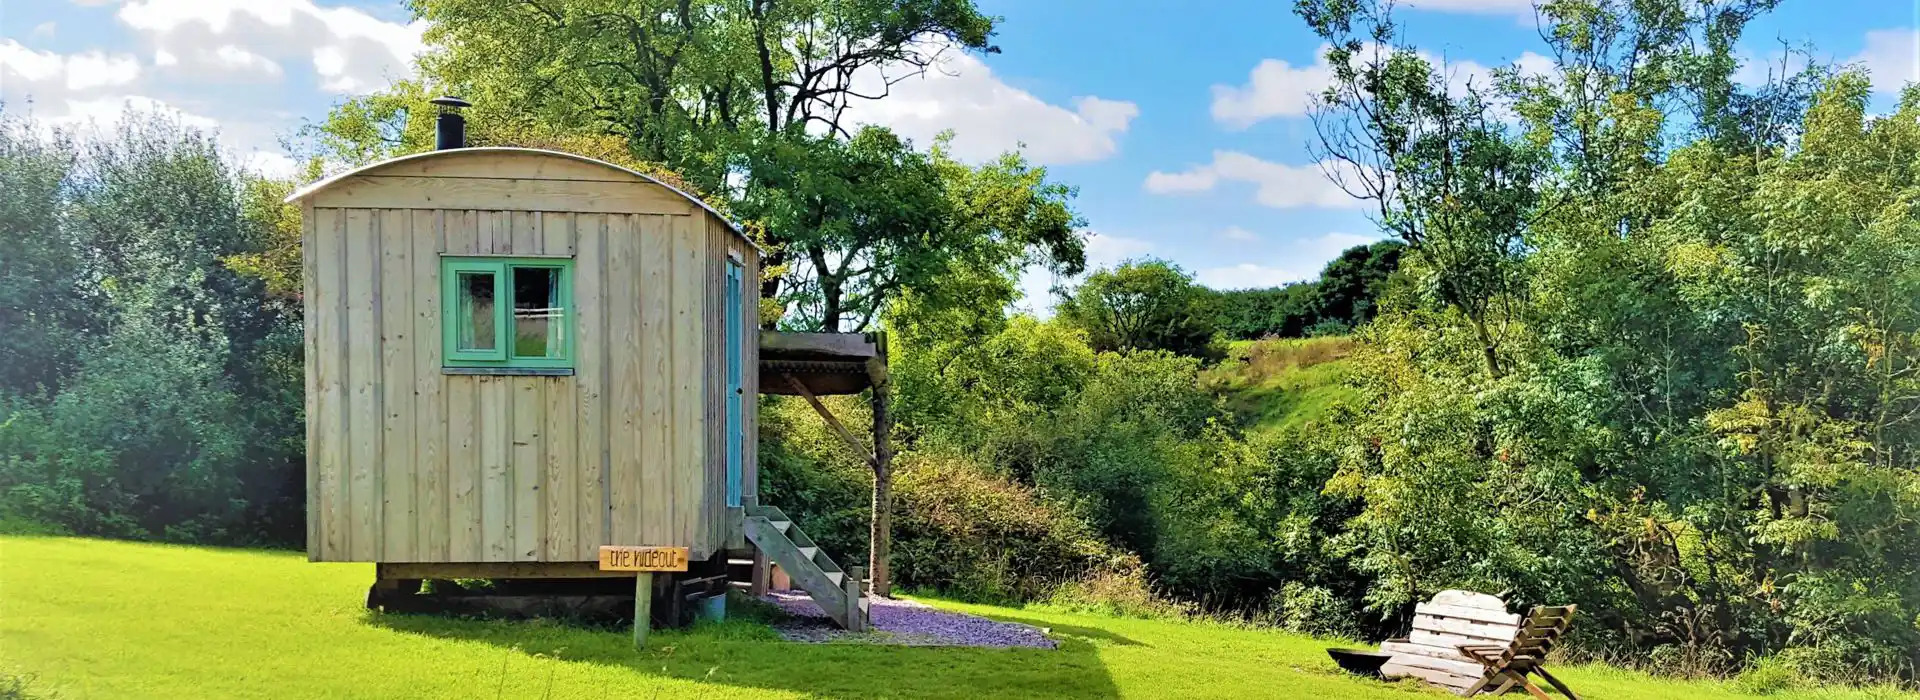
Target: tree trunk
column 1486, row 344
column 881, row 534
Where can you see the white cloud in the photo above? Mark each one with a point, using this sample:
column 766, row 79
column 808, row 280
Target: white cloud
column 1240, row 235
column 43, row 30
column 49, row 75
column 1892, row 56
column 1276, row 88
column 163, row 57
column 989, row 117
column 351, row 51
column 1276, row 185
column 273, row 164
column 242, row 60
column 1302, row 260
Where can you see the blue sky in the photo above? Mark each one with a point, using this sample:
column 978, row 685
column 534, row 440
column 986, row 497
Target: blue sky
column 1180, row 122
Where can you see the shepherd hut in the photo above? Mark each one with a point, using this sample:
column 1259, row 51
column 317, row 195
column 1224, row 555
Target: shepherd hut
column 516, row 357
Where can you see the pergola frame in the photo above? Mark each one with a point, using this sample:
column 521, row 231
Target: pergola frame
column 811, row 365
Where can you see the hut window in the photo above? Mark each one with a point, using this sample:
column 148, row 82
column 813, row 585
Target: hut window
column 507, row 313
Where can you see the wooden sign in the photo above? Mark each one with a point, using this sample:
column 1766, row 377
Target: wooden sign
column 628, row 558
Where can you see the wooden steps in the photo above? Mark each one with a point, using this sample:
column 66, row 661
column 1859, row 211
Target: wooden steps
column 810, row 568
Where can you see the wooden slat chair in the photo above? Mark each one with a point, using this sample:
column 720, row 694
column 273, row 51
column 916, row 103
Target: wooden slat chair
column 1508, row 665
column 1452, row 619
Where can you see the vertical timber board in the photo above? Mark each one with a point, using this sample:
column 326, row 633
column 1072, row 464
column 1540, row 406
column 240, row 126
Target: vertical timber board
column 624, row 293
column 464, row 501
column 363, row 376
column 689, row 363
column 561, row 488
column 396, row 477
column 310, row 375
column 529, row 406
column 429, row 387
column 713, row 497
column 327, row 365
column 496, row 427
column 655, row 352
column 750, row 293
column 590, row 382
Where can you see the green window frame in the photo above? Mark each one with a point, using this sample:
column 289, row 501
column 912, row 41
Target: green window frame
column 474, row 337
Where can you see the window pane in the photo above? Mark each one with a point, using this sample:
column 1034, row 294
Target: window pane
column 474, row 328
column 537, row 316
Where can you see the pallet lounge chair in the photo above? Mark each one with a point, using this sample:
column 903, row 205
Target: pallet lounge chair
column 1508, row 665
column 1441, row 626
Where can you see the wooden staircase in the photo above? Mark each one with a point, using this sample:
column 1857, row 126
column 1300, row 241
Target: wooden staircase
column 835, row 590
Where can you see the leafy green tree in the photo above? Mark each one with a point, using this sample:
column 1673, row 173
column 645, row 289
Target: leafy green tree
column 1142, row 305
column 1437, row 163
column 50, row 308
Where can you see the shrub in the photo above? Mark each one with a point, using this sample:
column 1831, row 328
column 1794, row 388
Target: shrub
column 969, row 533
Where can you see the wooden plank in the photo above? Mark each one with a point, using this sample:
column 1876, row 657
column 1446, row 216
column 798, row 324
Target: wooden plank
column 713, row 494
column 526, row 233
column 397, row 472
column 310, row 386
column 689, row 361
column 465, row 504
column 1498, row 617
column 363, row 376
column 653, row 348
column 404, row 192
column 487, row 163
column 326, row 289
column 1393, row 669
column 1464, row 627
column 557, row 231
column 1459, row 667
column 561, row 469
column 529, row 497
column 590, row 383
column 1408, row 647
column 750, row 476
column 1441, row 639
column 628, row 390
column 496, row 468
column 642, row 608
column 588, row 568
column 429, row 406
column 854, row 346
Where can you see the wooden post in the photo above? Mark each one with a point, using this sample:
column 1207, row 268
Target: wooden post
column 855, row 621
column 642, row 608
column 881, row 521
column 758, row 583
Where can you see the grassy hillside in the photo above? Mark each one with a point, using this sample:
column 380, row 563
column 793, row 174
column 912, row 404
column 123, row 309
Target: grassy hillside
column 1279, row 383
column 96, row 619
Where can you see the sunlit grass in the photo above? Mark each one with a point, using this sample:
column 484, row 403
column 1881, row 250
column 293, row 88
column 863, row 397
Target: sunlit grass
column 100, row 619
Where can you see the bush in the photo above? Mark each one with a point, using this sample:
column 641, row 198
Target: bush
column 1770, row 675
column 965, row 532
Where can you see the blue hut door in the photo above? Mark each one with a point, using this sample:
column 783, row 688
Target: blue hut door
column 735, row 438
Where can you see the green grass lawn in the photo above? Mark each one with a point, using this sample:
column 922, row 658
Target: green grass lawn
column 100, row 619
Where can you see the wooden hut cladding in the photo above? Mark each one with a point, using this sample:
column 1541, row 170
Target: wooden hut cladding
column 427, row 442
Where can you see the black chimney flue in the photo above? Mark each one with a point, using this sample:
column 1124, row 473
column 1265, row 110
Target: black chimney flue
column 450, row 129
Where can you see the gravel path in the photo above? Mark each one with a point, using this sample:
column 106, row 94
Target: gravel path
column 904, row 622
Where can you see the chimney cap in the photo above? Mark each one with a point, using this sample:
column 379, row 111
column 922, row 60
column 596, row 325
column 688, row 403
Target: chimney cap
column 450, row 101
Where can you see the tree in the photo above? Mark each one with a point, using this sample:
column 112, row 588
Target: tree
column 1142, row 305
column 1351, row 285
column 1436, row 162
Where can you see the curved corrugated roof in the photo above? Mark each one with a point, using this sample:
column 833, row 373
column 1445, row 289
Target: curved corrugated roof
column 322, row 184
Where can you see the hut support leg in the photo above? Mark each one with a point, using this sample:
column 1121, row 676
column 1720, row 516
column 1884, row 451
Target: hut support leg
column 642, row 608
